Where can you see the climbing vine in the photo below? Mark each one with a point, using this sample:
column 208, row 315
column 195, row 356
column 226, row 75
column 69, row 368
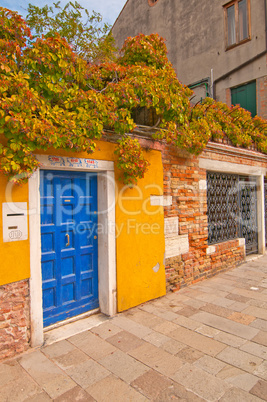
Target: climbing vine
column 51, row 96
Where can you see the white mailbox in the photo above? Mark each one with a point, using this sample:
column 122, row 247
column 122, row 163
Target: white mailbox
column 15, row 223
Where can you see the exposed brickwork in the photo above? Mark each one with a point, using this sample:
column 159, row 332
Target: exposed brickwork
column 227, row 254
column 14, row 319
column 182, row 181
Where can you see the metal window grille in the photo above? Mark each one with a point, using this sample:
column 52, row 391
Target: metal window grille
column 222, row 199
column 232, row 209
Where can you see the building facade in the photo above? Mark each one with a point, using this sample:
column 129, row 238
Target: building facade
column 218, row 48
column 75, row 240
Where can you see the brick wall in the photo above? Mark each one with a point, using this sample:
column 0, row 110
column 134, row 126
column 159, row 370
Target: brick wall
column 225, row 255
column 185, row 181
column 14, row 318
column 181, row 181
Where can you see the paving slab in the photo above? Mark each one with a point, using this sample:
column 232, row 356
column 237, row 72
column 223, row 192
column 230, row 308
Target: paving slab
column 87, row 373
column 206, row 342
column 209, row 364
column 255, row 349
column 189, row 355
column 195, row 303
column 259, row 324
column 232, row 327
column 207, row 331
column 128, row 325
column 239, row 395
column 124, row 366
column 241, row 318
column 201, row 383
column 244, row 381
column 75, row 394
column 166, row 327
column 58, row 349
column 229, row 339
column 252, row 294
column 238, row 306
column 113, row 389
column 187, row 311
column 260, row 338
column 47, row 374
column 240, row 359
column 92, row 345
column 238, row 298
column 10, row 371
column 228, row 372
column 217, row 310
column 106, row 330
column 172, row 346
column 143, row 317
column 261, row 370
column 210, row 290
column 157, row 358
column 198, row 341
column 25, row 387
column 151, row 384
column 256, row 311
column 71, row 359
column 160, row 312
column 125, row 341
column 177, row 392
column 41, row 397
column 260, row 390
column 186, row 322
column 157, row 339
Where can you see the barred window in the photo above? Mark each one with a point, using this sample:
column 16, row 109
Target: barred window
column 222, row 198
column 232, row 209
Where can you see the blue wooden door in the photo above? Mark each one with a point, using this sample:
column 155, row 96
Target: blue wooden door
column 69, row 244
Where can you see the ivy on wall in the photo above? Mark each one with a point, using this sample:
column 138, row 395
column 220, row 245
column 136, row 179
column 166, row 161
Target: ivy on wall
column 51, row 96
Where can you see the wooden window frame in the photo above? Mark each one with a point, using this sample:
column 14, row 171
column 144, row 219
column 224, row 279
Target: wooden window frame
column 238, row 42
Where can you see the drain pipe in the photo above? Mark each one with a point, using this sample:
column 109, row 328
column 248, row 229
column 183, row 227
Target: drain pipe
column 211, row 83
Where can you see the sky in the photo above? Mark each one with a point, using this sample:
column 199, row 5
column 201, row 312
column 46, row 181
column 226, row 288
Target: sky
column 109, row 9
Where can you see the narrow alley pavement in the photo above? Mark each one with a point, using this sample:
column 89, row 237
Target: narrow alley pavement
column 207, row 342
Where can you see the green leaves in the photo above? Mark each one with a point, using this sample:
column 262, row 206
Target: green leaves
column 85, row 32
column 51, row 96
column 131, row 160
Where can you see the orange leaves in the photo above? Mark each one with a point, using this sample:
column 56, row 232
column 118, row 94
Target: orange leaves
column 51, row 96
column 149, row 50
column 131, row 160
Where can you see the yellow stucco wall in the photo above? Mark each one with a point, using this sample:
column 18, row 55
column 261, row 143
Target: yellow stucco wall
column 140, row 233
column 15, row 256
column 140, row 239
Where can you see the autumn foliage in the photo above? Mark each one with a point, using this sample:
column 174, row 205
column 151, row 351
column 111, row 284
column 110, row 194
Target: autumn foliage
column 50, row 96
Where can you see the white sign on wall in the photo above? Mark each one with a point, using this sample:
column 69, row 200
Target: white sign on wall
column 15, row 223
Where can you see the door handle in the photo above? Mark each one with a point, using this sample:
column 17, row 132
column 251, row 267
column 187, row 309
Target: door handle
column 68, row 240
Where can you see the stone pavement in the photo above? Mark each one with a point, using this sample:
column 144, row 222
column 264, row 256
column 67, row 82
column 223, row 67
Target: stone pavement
column 207, row 342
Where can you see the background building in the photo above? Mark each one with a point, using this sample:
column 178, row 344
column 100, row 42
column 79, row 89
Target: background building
column 218, row 48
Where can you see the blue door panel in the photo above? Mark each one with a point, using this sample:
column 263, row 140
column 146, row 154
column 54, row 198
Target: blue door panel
column 69, row 244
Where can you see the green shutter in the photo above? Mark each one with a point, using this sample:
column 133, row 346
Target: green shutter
column 245, row 96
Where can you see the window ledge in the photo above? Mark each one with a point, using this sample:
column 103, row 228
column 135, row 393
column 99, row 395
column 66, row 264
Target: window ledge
column 237, row 44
